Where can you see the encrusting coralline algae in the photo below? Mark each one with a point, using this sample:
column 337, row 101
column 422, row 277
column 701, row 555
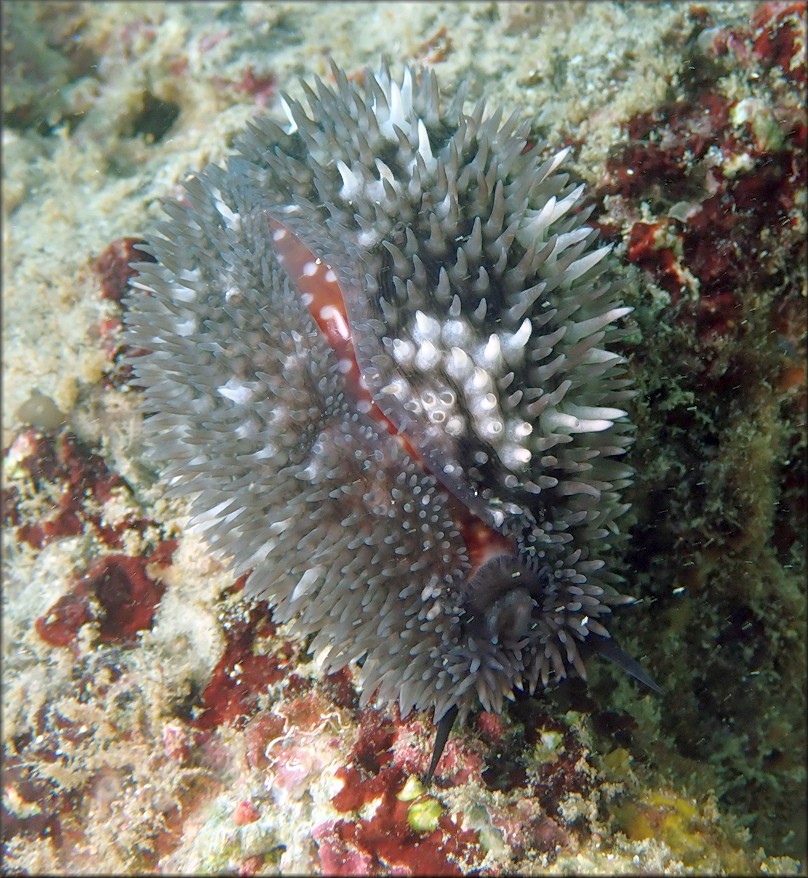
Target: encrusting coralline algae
column 154, row 719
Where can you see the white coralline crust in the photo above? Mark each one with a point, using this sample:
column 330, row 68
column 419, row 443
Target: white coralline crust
column 483, row 322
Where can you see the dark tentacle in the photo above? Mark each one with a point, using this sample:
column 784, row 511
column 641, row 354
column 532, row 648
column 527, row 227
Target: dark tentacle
column 441, row 736
column 610, row 650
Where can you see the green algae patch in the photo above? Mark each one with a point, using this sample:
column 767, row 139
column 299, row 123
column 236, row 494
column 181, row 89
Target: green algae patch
column 412, row 789
column 423, row 815
column 549, row 746
column 617, row 764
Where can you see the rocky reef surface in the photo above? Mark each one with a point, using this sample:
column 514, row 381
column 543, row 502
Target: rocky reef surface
column 153, row 720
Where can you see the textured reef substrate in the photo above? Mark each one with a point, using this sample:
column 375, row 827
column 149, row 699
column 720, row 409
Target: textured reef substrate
column 153, row 719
